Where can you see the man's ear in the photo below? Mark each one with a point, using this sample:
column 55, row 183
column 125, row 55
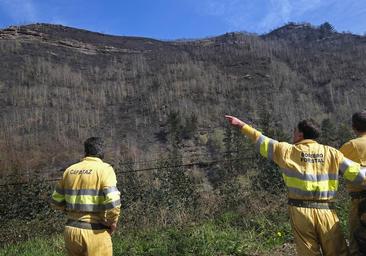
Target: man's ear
column 355, row 131
column 301, row 134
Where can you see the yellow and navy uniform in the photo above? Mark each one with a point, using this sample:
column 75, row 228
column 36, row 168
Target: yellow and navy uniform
column 356, row 151
column 310, row 172
column 88, row 194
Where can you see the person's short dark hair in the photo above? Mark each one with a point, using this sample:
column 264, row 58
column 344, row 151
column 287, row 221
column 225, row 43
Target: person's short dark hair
column 309, row 128
column 94, row 146
column 359, row 121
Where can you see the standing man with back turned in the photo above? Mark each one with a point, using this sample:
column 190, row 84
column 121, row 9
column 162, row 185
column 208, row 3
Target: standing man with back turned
column 310, row 171
column 89, row 196
column 356, row 151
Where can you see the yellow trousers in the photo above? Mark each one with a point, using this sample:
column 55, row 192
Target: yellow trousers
column 354, row 223
column 317, row 232
column 86, row 242
column 356, row 230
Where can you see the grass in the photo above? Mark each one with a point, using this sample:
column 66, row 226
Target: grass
column 207, row 239
column 52, row 246
column 231, row 234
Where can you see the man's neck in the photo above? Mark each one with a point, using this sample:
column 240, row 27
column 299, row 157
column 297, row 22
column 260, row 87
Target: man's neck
column 360, row 134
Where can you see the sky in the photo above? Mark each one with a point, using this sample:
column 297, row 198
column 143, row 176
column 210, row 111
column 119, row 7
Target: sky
column 184, row 19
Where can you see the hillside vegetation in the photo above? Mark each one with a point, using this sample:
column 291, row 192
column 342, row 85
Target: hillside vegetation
column 190, row 184
column 59, row 85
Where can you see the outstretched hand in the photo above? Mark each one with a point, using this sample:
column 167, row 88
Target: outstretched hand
column 235, row 121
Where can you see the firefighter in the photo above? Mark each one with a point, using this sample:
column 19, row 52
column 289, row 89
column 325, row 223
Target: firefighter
column 89, row 196
column 356, row 151
column 310, row 172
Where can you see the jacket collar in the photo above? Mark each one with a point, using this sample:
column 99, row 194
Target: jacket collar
column 92, row 158
column 306, row 141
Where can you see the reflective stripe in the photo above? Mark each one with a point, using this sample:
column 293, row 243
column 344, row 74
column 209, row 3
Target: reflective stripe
column 259, row 142
column 90, row 192
column 110, row 190
column 304, row 185
column 112, row 199
column 310, row 177
column 84, row 192
column 313, row 194
column 113, row 204
column 344, row 165
column 351, row 171
column 112, row 196
column 63, row 203
column 57, row 196
column 265, row 146
column 85, row 207
column 360, row 178
column 60, row 190
column 92, row 200
column 321, row 186
column 92, row 207
column 84, row 199
column 270, row 148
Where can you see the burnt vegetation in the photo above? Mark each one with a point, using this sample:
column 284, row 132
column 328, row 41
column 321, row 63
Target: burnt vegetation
column 59, row 85
column 160, row 104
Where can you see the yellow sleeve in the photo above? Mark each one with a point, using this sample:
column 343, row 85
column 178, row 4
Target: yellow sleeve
column 352, row 171
column 349, row 168
column 109, row 179
column 250, row 132
column 112, row 200
column 264, row 145
column 347, row 149
column 58, row 201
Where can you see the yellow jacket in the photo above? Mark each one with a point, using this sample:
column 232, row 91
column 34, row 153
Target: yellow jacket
column 88, row 192
column 356, row 151
column 310, row 170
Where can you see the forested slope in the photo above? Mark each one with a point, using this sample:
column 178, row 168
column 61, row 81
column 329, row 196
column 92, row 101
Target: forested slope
column 59, row 85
